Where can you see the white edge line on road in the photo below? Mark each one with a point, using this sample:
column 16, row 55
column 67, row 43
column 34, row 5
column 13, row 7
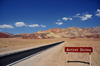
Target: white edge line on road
column 28, row 57
column 20, row 51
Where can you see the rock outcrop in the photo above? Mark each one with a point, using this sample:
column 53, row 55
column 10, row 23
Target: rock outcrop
column 2, row 35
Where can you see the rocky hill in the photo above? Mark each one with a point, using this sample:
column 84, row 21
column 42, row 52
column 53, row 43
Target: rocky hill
column 2, row 35
column 70, row 32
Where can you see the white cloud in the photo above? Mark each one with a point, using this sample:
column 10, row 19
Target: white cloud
column 70, row 18
column 0, row 30
column 98, row 13
column 34, row 25
column 78, row 14
column 84, row 17
column 85, row 13
column 20, row 24
column 59, row 23
column 58, row 20
column 65, row 18
column 98, row 10
column 6, row 26
column 43, row 26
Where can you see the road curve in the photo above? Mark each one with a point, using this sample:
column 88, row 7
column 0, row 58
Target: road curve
column 8, row 59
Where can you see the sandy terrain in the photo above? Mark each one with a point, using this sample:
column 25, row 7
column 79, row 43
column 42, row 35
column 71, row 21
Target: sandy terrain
column 9, row 45
column 56, row 56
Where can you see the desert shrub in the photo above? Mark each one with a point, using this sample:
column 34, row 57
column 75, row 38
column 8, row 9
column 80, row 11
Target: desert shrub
column 92, row 36
column 96, row 36
column 80, row 37
column 5, row 46
column 72, row 37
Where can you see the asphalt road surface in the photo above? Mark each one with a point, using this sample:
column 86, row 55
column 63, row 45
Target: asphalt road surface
column 8, row 59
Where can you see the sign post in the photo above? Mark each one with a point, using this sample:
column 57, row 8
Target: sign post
column 79, row 50
column 90, row 58
column 66, row 57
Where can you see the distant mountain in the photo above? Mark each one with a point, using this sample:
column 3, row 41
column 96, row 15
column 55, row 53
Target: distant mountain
column 2, row 35
column 95, row 30
column 9, row 34
column 98, row 26
column 76, row 32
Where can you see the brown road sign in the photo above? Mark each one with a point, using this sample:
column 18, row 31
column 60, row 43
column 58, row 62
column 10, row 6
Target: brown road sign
column 79, row 49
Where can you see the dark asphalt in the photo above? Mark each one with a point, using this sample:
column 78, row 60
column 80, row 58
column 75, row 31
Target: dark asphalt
column 5, row 60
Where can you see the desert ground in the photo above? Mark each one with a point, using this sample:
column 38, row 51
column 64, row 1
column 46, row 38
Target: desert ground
column 54, row 56
column 9, row 45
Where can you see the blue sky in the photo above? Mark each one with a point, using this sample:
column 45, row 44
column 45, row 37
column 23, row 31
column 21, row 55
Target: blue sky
column 29, row 16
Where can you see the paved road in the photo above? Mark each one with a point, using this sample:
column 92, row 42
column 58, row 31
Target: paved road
column 8, row 59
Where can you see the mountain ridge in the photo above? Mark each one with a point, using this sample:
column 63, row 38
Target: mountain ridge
column 69, row 32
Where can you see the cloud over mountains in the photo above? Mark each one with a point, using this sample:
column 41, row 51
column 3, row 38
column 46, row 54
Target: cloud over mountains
column 98, row 13
column 6, row 26
column 84, row 16
column 59, row 23
column 66, row 18
column 34, row 25
column 20, row 24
